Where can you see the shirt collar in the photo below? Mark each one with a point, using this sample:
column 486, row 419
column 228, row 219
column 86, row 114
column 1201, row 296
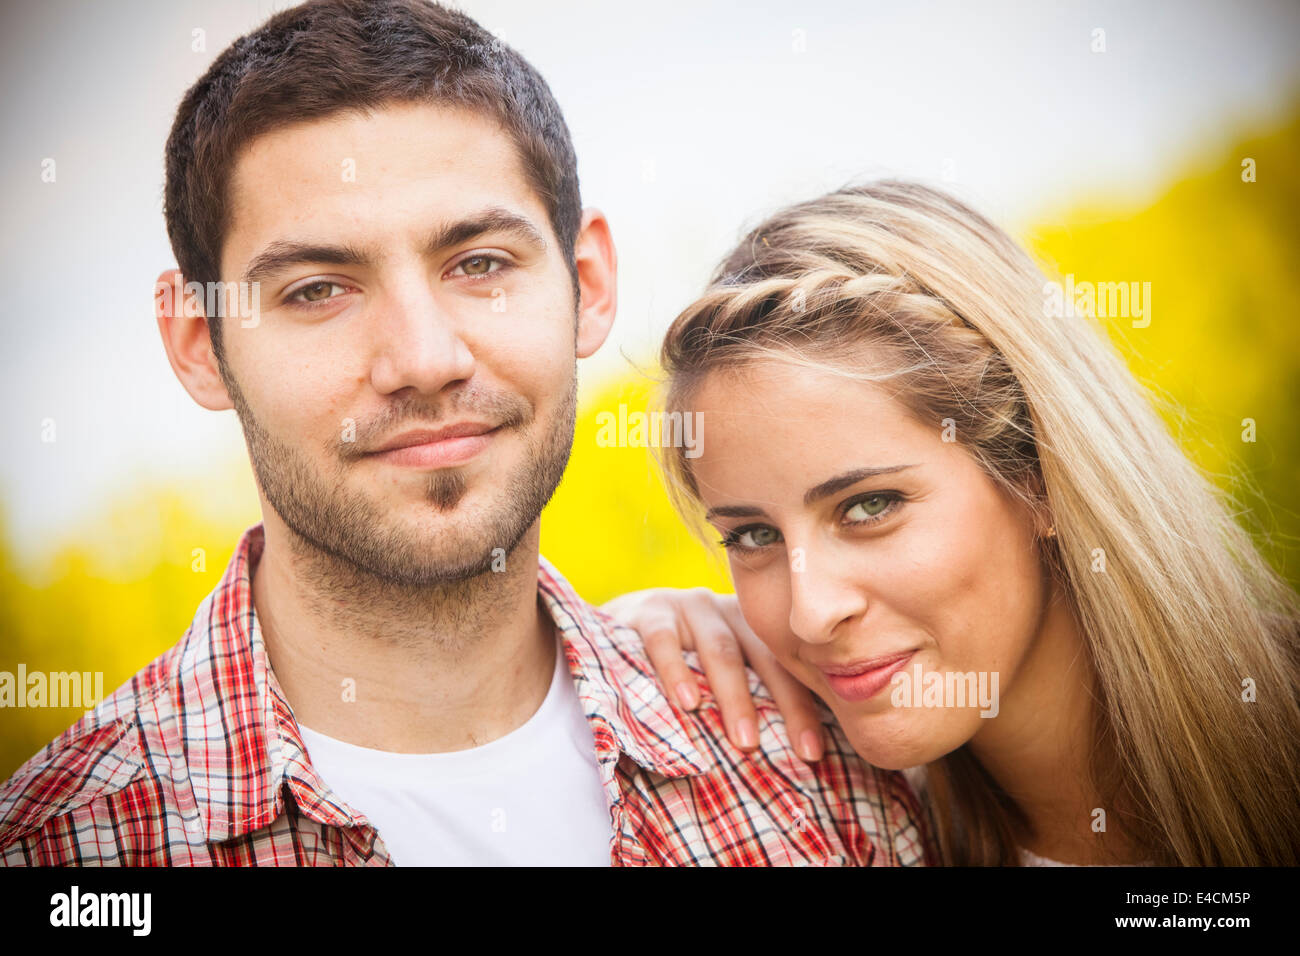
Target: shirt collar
column 616, row 685
column 243, row 747
column 242, row 743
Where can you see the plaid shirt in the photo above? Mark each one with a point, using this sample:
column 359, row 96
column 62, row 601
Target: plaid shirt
column 198, row 761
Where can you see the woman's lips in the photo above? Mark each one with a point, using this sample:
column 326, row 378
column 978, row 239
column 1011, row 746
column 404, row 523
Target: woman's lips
column 869, row 682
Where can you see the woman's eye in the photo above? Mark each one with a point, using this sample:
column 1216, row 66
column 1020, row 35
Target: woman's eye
column 750, row 539
column 870, row 508
column 315, row 292
column 476, row 266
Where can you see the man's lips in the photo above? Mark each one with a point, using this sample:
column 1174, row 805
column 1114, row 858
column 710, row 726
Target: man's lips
column 861, row 680
column 436, row 447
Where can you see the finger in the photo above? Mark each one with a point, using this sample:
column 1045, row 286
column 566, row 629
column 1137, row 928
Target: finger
column 723, row 662
column 661, row 635
column 796, row 703
column 652, row 610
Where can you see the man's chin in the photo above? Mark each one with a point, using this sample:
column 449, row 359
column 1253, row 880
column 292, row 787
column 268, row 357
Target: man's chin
column 420, row 561
column 435, row 545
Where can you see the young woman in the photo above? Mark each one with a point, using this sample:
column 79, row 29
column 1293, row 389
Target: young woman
column 953, row 515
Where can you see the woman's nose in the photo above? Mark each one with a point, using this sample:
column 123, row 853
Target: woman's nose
column 823, row 595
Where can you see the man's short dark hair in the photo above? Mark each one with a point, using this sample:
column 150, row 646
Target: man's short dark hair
column 325, row 56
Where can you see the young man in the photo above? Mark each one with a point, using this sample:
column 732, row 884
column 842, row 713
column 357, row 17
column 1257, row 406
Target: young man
column 389, row 672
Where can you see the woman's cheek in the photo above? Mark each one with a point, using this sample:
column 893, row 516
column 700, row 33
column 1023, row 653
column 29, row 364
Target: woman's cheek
column 936, row 579
column 764, row 603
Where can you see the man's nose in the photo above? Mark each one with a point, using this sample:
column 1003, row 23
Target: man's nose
column 823, row 594
column 416, row 339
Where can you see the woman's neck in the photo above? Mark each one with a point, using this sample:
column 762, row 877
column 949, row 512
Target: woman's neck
column 1040, row 746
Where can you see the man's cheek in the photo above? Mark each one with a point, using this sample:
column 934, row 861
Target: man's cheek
column 535, row 337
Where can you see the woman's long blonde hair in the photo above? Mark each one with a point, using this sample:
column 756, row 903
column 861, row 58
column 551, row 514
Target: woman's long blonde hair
column 1194, row 639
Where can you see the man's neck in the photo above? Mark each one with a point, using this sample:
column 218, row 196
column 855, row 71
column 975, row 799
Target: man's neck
column 406, row 670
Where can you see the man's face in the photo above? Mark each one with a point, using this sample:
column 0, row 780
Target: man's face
column 384, row 320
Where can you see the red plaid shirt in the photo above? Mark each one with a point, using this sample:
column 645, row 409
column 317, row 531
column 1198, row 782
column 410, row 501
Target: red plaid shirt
column 197, row 761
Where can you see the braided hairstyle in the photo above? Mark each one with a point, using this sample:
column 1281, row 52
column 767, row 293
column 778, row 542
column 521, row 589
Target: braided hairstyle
column 903, row 285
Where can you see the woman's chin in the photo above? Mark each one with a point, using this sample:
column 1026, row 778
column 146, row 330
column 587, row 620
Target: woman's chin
column 901, row 748
column 892, row 759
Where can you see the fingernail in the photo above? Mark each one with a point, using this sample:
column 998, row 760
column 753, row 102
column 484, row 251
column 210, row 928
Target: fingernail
column 686, row 696
column 810, row 745
column 747, row 732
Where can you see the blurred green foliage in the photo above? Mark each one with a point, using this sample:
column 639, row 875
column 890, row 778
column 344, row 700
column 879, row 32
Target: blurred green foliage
column 1223, row 345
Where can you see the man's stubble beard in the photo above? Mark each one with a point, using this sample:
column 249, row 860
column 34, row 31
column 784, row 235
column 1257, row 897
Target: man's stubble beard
column 355, row 553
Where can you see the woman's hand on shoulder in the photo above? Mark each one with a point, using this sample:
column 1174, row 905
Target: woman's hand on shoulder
column 672, row 621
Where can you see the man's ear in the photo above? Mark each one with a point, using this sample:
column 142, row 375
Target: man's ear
column 185, row 337
column 597, row 280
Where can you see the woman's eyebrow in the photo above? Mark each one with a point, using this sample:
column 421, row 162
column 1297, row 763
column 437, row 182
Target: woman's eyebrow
column 832, row 485
column 733, row 511
column 815, row 494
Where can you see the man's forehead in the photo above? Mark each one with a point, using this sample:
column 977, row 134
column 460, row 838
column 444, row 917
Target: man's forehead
column 412, row 161
column 394, row 143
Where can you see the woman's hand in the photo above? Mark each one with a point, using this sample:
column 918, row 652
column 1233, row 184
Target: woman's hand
column 673, row 621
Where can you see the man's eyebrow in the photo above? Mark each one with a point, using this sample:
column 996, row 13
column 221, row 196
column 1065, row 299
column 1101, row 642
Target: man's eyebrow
column 815, row 494
column 283, row 253
column 493, row 219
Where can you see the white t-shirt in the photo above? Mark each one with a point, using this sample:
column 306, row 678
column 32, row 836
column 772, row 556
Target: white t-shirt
column 530, row 798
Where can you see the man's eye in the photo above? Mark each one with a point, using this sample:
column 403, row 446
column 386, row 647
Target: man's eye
column 476, row 266
column 750, row 539
column 315, row 292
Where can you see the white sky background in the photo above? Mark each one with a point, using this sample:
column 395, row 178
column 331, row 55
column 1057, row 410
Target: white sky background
column 708, row 96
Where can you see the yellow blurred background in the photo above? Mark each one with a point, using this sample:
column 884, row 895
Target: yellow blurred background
column 1223, row 346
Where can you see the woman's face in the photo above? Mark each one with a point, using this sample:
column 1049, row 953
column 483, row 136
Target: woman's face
column 868, row 551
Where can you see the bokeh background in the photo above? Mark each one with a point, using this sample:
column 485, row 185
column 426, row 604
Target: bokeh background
column 1112, row 138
